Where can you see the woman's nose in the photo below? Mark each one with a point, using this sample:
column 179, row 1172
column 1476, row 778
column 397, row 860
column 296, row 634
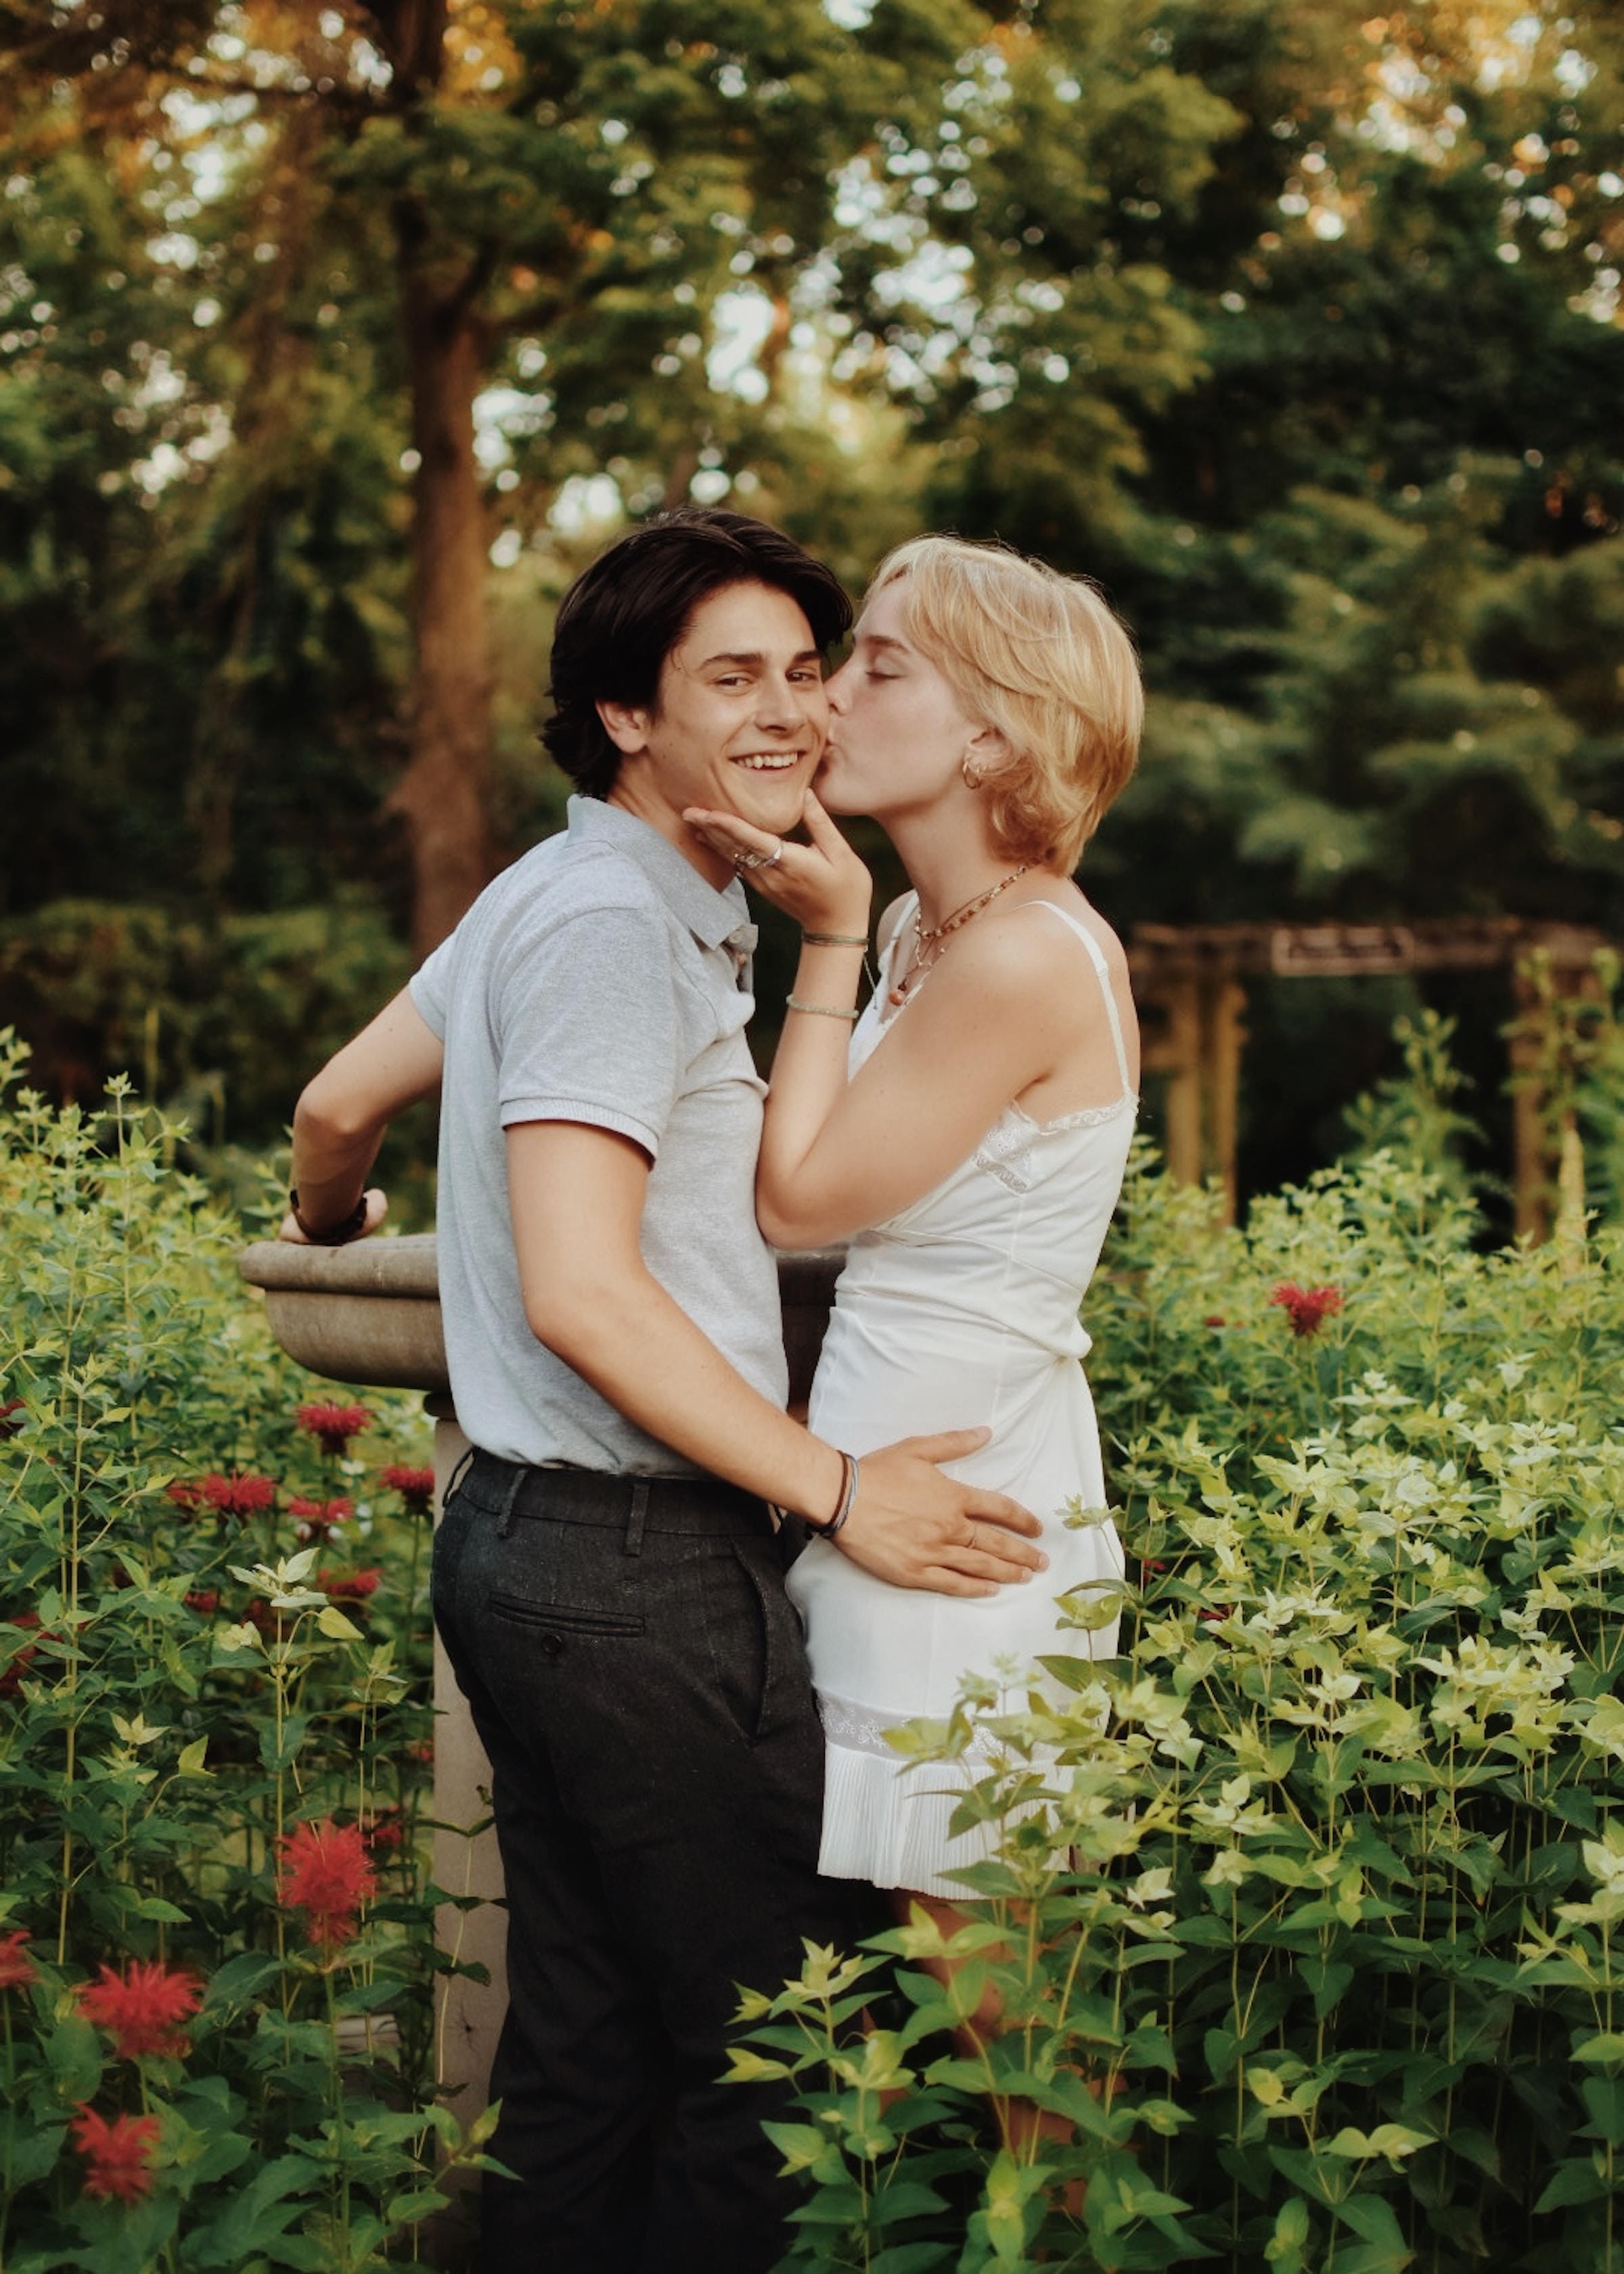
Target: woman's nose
column 834, row 687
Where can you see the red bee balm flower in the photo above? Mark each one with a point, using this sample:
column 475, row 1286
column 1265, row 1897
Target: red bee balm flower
column 332, row 1426
column 416, row 1486
column 1307, row 1307
column 142, row 2009
column 349, row 1586
column 318, row 1520
column 16, row 1657
column 119, row 2154
column 16, row 1970
column 324, row 1873
column 233, row 1495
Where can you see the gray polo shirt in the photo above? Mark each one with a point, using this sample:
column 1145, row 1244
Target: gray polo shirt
column 600, row 980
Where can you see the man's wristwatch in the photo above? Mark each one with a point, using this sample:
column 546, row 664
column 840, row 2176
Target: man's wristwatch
column 335, row 1235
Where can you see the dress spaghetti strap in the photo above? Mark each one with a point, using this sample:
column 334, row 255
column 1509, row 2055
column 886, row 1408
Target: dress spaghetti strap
column 1097, row 957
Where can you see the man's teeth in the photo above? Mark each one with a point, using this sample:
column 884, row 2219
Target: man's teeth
column 777, row 763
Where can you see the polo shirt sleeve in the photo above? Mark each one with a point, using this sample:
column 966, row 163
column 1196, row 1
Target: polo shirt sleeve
column 590, row 1026
column 430, row 988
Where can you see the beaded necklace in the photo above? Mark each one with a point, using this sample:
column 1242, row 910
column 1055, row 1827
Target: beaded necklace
column 929, row 945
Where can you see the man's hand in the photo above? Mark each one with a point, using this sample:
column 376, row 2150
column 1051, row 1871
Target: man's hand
column 917, row 1528
column 377, row 1208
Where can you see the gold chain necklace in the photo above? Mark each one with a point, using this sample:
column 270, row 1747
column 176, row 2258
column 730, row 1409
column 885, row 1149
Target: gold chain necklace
column 930, row 944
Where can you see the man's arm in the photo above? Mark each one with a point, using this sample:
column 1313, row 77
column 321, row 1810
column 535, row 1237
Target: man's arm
column 340, row 1120
column 577, row 1196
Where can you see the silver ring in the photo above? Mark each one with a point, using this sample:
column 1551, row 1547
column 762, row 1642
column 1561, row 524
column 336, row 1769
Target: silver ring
column 776, row 855
column 744, row 861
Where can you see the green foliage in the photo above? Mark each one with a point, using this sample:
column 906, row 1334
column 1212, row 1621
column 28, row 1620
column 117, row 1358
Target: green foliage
column 1298, row 327
column 180, row 1688
column 1302, row 1931
column 222, row 1020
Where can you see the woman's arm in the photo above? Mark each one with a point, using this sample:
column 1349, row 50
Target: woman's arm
column 990, row 1023
column 1004, row 1011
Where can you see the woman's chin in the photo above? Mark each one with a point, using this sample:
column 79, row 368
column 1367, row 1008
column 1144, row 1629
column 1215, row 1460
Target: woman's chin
column 833, row 794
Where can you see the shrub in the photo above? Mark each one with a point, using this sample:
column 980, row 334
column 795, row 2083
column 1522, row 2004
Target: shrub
column 217, row 1949
column 1306, row 1943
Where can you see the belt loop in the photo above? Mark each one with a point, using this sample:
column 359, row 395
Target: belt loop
column 638, row 1515
column 505, row 1518
column 457, row 1474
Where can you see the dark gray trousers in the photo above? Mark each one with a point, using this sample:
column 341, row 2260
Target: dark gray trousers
column 636, row 1673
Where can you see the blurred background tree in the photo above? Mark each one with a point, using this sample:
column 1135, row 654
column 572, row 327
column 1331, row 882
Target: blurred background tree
column 336, row 338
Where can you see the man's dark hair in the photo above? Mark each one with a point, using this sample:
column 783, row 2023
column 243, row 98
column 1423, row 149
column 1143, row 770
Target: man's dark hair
column 621, row 617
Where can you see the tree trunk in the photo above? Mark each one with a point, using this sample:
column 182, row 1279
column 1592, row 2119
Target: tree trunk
column 444, row 794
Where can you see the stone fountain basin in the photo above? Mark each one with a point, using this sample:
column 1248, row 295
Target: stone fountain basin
column 368, row 1314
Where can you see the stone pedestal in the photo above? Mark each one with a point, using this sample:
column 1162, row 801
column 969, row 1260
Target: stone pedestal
column 368, row 1316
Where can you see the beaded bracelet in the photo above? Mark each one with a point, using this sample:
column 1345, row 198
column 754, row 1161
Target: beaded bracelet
column 848, row 1494
column 819, row 1010
column 834, row 939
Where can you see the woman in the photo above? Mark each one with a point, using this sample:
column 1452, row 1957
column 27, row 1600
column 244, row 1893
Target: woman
column 974, row 1140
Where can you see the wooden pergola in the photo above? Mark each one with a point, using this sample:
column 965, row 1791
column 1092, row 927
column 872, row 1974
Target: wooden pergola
column 1188, row 980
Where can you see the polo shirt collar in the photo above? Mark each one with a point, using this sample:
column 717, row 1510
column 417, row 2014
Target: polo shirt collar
column 716, row 919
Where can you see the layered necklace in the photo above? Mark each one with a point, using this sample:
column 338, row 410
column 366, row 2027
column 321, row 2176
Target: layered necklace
column 930, row 942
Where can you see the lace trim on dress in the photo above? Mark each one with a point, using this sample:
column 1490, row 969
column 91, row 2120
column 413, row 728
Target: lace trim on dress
column 861, row 1730
column 1006, row 1151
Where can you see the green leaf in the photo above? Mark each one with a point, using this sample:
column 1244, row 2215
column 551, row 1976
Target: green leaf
column 1289, row 2239
column 1574, row 2182
column 1389, row 2139
column 154, row 1907
column 1604, row 2098
column 1603, row 2052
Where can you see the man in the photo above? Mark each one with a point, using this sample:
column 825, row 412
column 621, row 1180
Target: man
column 607, row 1579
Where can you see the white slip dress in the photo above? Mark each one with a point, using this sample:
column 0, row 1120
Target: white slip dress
column 961, row 1309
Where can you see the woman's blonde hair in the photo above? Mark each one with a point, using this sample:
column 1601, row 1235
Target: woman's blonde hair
column 1041, row 657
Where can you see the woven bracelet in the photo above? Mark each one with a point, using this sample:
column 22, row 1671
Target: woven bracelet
column 819, row 1010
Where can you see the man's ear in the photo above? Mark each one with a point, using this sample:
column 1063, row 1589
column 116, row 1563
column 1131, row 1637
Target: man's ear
column 627, row 725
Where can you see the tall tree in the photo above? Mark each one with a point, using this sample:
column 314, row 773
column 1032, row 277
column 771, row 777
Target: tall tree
column 585, row 180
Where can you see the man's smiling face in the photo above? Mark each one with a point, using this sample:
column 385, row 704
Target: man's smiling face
column 737, row 724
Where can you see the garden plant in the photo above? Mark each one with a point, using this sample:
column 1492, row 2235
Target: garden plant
column 1303, row 1919
column 216, row 1945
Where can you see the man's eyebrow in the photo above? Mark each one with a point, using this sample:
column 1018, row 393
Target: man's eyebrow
column 754, row 657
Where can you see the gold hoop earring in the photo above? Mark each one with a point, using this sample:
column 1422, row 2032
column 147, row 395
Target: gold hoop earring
column 973, row 779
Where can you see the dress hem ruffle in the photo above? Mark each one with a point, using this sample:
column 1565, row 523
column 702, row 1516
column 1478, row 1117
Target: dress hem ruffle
column 886, row 1821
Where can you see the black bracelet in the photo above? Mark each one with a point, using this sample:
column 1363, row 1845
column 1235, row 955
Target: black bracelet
column 848, row 1494
column 337, row 1235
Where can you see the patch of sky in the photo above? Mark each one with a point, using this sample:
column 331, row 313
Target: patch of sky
column 503, row 415
column 586, row 503
column 744, row 320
